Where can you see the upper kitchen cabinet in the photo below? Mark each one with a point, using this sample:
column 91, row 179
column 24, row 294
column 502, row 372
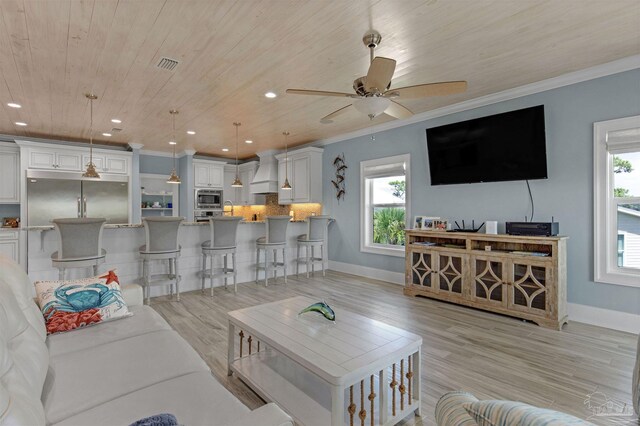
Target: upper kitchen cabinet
column 73, row 158
column 9, row 173
column 208, row 174
column 304, row 170
column 241, row 196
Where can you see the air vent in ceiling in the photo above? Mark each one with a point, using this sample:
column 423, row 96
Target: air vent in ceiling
column 167, row 64
column 115, row 130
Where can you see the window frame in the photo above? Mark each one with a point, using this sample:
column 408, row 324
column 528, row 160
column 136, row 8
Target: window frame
column 366, row 218
column 605, row 242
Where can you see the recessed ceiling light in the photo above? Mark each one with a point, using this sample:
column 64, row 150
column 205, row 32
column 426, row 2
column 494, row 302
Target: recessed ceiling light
column 225, row 149
column 20, row 123
column 270, row 95
column 248, row 141
column 14, row 105
column 106, row 134
column 191, row 132
column 172, row 143
column 115, row 120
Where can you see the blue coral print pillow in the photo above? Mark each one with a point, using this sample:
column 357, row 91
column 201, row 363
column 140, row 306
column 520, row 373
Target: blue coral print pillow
column 67, row 305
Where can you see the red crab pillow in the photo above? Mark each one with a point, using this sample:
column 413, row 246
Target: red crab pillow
column 67, row 305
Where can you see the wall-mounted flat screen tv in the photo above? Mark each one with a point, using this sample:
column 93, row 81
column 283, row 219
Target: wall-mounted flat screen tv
column 501, row 147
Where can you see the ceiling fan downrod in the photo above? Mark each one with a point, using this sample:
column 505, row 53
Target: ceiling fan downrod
column 371, row 39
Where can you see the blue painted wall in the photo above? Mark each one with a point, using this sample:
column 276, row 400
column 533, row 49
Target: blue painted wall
column 156, row 164
column 567, row 194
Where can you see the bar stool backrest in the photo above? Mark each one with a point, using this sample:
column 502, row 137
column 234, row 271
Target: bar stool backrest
column 161, row 233
column 79, row 237
column 224, row 231
column 318, row 226
column 277, row 229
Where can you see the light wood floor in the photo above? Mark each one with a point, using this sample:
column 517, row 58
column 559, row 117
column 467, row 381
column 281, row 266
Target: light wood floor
column 492, row 356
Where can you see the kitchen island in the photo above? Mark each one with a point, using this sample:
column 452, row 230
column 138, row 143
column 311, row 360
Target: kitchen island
column 123, row 241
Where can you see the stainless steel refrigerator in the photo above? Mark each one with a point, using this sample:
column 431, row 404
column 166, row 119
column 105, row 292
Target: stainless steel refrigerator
column 52, row 195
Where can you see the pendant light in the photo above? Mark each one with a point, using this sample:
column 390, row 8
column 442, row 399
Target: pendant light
column 91, row 168
column 237, row 183
column 174, row 178
column 286, row 185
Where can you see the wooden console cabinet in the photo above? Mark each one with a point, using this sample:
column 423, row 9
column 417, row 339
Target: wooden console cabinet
column 524, row 277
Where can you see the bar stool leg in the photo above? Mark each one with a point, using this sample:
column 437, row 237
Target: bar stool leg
column 275, row 265
column 204, row 269
column 213, row 261
column 61, row 274
column 95, row 269
column 175, row 270
column 172, row 275
column 266, row 267
column 225, row 270
column 313, row 259
column 235, row 272
column 257, row 263
column 284, row 261
column 308, row 259
column 298, row 261
column 145, row 280
column 322, row 258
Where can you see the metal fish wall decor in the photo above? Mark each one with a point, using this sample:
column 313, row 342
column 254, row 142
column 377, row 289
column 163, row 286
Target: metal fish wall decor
column 341, row 170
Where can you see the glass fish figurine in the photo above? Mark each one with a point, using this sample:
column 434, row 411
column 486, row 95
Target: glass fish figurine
column 322, row 308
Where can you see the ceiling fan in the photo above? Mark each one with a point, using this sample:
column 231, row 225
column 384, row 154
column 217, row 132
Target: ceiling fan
column 373, row 95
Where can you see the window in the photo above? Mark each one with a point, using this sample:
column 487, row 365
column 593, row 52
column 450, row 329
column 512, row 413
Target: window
column 617, row 201
column 384, row 204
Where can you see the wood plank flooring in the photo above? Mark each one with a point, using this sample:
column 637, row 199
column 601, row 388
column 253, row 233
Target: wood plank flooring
column 491, row 356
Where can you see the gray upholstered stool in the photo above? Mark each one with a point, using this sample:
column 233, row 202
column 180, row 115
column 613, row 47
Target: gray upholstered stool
column 275, row 240
column 79, row 244
column 316, row 236
column 161, row 236
column 222, row 242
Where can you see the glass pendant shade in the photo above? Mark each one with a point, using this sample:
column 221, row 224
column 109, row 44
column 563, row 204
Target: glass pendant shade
column 237, row 183
column 91, row 171
column 173, row 177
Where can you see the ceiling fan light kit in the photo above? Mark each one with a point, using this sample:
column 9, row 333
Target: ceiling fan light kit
column 373, row 94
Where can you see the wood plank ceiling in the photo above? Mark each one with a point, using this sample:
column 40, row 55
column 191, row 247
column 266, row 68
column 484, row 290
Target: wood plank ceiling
column 231, row 52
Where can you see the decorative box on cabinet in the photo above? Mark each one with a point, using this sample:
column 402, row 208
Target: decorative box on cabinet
column 208, row 174
column 303, row 167
column 9, row 174
column 524, row 277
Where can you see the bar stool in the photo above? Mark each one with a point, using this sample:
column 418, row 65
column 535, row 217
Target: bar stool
column 222, row 242
column 79, row 244
column 276, row 239
column 161, row 236
column 316, row 236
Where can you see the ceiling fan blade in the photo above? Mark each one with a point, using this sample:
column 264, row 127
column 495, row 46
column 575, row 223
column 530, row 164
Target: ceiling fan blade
column 329, row 118
column 398, row 111
column 380, row 74
column 432, row 89
column 318, row 93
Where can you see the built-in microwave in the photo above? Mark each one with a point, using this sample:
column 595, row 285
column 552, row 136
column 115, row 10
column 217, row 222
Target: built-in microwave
column 208, row 199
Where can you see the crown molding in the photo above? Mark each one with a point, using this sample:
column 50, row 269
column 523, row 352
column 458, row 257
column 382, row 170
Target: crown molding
column 603, row 70
column 136, row 146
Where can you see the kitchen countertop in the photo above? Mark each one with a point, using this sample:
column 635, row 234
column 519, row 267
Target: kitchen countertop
column 138, row 225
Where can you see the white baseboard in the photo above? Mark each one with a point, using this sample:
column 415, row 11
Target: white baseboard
column 607, row 318
column 622, row 321
column 367, row 272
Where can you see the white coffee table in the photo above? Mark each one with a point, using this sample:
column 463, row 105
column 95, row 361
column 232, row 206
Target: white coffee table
column 322, row 372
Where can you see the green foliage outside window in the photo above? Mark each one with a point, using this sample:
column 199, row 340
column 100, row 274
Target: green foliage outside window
column 388, row 226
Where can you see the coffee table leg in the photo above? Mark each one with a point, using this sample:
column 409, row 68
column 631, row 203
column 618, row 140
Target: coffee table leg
column 416, row 381
column 231, row 350
column 337, row 406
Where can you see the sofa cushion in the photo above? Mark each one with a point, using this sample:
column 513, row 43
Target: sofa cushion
column 635, row 383
column 450, row 410
column 14, row 277
column 84, row 379
column 500, row 413
column 144, row 320
column 67, row 305
column 195, row 399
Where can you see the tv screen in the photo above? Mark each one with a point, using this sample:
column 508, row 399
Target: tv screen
column 501, row 147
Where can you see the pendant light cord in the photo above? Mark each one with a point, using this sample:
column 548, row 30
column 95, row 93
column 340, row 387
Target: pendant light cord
column 237, row 125
column 286, row 156
column 91, row 130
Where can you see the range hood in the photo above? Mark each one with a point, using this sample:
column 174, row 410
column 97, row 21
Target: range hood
column 265, row 181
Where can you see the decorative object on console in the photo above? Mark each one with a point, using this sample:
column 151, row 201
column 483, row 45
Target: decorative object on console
column 173, row 178
column 428, row 222
column 71, row 304
column 91, row 168
column 491, row 227
column 322, row 308
column 11, row 222
column 417, row 222
column 338, row 183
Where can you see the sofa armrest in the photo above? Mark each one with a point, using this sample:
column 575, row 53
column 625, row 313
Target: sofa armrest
column 267, row 415
column 132, row 294
column 450, row 410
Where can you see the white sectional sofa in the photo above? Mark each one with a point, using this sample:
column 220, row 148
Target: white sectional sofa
column 108, row 374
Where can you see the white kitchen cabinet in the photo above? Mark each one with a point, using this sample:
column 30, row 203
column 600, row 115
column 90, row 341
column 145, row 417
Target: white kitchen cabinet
column 304, row 170
column 208, row 174
column 241, row 196
column 9, row 174
column 55, row 159
column 108, row 163
column 10, row 244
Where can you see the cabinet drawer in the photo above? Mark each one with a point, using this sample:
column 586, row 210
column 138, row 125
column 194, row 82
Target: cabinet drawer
column 10, row 249
column 117, row 165
column 42, row 160
column 6, row 234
